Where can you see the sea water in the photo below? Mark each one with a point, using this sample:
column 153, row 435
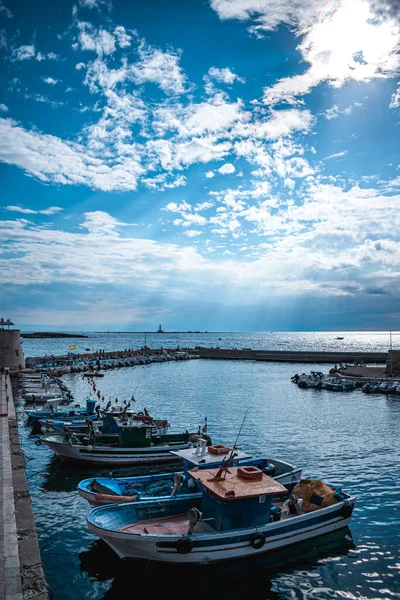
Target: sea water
column 350, row 440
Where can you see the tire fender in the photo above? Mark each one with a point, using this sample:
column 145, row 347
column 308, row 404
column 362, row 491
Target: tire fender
column 184, row 545
column 257, row 540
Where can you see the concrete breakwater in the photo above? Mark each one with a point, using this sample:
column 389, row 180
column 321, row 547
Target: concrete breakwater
column 292, row 356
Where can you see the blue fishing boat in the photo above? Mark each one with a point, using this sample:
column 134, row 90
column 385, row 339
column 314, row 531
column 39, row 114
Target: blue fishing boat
column 34, row 416
column 99, row 491
column 242, row 512
column 104, row 422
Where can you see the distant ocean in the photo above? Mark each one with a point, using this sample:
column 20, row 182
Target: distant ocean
column 362, row 341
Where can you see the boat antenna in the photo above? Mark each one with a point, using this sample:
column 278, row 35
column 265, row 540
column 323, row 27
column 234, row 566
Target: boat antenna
column 224, row 467
column 240, row 431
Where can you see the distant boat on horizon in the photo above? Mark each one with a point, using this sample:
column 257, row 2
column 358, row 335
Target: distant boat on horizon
column 340, row 338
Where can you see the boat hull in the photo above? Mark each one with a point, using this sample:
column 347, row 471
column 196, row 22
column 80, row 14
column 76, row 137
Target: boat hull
column 214, row 547
column 106, row 455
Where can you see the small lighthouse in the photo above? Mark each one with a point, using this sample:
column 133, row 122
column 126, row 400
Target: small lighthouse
column 159, row 329
column 11, row 353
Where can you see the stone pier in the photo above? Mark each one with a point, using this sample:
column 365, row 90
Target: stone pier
column 21, row 571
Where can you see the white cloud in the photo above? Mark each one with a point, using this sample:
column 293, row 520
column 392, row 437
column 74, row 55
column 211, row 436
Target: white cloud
column 159, row 67
column 185, row 210
column 337, row 155
column 52, row 210
column 52, row 160
column 335, row 111
column 3, row 108
column 24, row 53
column 192, row 233
column 100, row 41
column 50, row 80
column 226, row 169
column 123, row 38
column 100, row 77
column 49, row 56
column 164, row 181
column 395, row 99
column 224, row 75
column 215, row 116
column 4, row 10
column 95, row 4
column 202, row 206
column 278, row 124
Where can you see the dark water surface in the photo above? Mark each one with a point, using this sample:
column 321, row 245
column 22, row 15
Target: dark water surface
column 347, row 439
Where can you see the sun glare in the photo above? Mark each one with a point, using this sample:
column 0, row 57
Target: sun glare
column 353, row 43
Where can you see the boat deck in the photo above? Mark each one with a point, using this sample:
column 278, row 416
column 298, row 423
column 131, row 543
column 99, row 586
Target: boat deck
column 175, row 525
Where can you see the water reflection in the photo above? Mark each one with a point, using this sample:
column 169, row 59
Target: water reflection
column 234, row 579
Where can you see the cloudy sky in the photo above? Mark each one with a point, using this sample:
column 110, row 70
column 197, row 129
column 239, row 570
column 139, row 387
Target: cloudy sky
column 221, row 165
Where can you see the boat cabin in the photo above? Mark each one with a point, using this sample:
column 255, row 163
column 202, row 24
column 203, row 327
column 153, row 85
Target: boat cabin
column 134, row 435
column 237, row 497
column 203, row 456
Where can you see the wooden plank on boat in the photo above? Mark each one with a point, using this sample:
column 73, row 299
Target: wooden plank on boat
column 233, row 487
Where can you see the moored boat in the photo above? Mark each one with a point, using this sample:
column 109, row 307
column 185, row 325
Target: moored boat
column 134, row 445
column 236, row 516
column 109, row 490
column 51, row 411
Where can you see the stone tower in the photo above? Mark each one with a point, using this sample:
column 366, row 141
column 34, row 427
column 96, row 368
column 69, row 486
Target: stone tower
column 393, row 363
column 11, row 353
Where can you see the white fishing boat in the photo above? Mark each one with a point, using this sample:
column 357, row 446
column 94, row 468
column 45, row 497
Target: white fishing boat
column 134, row 445
column 236, row 516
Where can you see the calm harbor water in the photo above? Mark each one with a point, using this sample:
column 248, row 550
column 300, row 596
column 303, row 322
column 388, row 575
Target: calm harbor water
column 311, row 341
column 350, row 440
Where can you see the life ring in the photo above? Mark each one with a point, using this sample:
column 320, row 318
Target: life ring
column 184, row 545
column 346, row 511
column 257, row 540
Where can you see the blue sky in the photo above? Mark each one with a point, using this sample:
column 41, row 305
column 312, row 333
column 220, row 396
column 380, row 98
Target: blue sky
column 208, row 165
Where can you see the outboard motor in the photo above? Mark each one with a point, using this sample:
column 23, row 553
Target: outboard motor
column 269, row 470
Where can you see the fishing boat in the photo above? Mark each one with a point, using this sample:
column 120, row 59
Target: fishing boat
column 336, row 384
column 238, row 515
column 109, row 490
column 105, row 422
column 135, row 444
column 48, row 412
